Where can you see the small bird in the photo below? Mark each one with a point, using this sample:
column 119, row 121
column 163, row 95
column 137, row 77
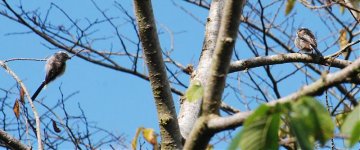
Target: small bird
column 55, row 67
column 305, row 41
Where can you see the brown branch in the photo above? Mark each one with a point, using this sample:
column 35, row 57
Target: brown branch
column 169, row 128
column 324, row 83
column 285, row 58
column 343, row 49
column 253, row 25
column 12, row 142
column 306, row 4
column 316, row 88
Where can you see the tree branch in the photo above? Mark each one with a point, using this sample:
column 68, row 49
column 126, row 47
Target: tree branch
column 12, row 142
column 189, row 111
column 169, row 129
column 36, row 114
column 200, row 136
column 285, row 58
column 316, row 88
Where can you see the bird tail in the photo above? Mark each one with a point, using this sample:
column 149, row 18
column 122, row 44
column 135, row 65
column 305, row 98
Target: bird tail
column 317, row 51
column 38, row 90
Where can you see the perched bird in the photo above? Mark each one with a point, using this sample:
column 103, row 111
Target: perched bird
column 55, row 67
column 305, row 41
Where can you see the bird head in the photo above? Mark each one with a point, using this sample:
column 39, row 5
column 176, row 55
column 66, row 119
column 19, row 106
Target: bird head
column 302, row 31
column 63, row 55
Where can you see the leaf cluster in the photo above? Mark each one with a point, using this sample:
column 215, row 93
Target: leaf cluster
column 306, row 120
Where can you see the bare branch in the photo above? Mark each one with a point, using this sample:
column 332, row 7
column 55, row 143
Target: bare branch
column 37, row 119
column 12, row 142
column 285, row 58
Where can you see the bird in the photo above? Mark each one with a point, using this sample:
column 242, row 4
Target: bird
column 55, row 67
column 306, row 41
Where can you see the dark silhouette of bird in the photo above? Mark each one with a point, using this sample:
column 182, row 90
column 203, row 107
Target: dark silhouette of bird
column 55, row 67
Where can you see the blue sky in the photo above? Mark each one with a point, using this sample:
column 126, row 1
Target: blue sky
column 114, row 100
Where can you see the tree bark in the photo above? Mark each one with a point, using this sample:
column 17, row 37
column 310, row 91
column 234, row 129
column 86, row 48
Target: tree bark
column 169, row 128
column 12, row 142
column 327, row 81
column 189, row 111
column 201, row 134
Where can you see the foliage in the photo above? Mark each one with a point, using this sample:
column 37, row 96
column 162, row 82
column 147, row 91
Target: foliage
column 307, row 119
column 289, row 6
column 260, row 130
column 195, row 91
column 149, row 135
column 351, row 127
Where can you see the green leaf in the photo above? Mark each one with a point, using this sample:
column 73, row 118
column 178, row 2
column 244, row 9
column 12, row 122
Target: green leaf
column 355, row 136
column 289, row 6
column 235, row 142
column 351, row 127
column 340, row 118
column 195, row 91
column 342, row 9
column 301, row 126
column 260, row 130
column 310, row 122
column 324, row 128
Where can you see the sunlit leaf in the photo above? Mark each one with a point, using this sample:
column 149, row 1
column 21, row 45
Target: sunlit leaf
column 195, row 91
column 260, row 130
column 342, row 38
column 340, row 118
column 341, row 9
column 343, row 41
column 55, row 127
column 134, row 141
column 150, row 136
column 289, row 6
column 351, row 127
column 16, row 108
column 22, row 93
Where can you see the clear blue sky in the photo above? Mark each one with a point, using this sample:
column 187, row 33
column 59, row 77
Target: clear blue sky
column 114, row 100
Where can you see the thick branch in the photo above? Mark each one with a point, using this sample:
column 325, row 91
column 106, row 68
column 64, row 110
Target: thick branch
column 200, row 136
column 189, row 111
column 222, row 56
column 224, row 123
column 12, row 142
column 285, row 58
column 169, row 129
column 316, row 88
